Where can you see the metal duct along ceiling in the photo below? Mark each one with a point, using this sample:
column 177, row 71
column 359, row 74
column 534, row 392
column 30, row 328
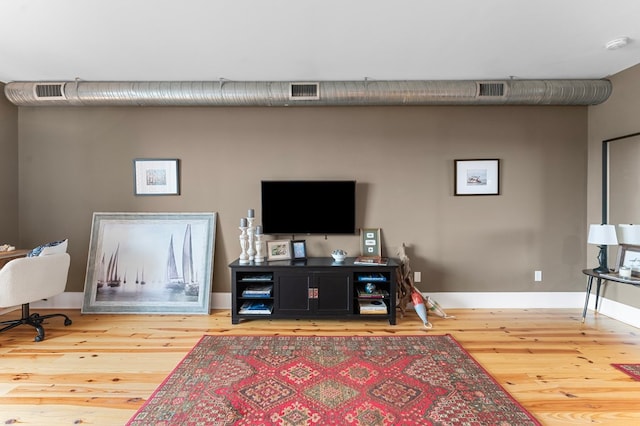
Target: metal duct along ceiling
column 324, row 93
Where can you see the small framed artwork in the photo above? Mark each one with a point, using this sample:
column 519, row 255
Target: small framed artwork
column 156, row 176
column 370, row 242
column 299, row 249
column 629, row 256
column 279, row 250
column 477, row 177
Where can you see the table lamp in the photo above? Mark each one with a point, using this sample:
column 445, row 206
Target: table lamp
column 603, row 236
column 629, row 234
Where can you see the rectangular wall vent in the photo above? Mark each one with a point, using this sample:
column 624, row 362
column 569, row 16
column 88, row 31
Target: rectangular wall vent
column 50, row 91
column 491, row 89
column 304, row 91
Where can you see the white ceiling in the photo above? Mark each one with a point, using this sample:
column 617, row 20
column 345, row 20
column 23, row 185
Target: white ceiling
column 297, row 40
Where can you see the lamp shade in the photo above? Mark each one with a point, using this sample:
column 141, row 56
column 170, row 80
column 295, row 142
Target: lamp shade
column 629, row 234
column 603, row 235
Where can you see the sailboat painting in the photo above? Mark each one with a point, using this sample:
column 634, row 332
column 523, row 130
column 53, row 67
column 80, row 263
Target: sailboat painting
column 170, row 255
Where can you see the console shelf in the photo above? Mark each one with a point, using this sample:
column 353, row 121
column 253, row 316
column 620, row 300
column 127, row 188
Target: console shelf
column 317, row 288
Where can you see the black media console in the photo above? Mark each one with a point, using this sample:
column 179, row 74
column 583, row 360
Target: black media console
column 317, row 287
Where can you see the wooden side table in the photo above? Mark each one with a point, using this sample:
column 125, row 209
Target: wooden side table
column 6, row 256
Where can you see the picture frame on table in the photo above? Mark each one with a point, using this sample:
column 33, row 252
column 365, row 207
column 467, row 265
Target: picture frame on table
column 156, row 176
column 150, row 263
column 279, row 250
column 299, row 249
column 370, row 244
column 629, row 256
column 477, row 177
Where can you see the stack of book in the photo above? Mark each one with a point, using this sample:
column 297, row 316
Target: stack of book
column 372, row 307
column 371, row 260
column 375, row 294
column 256, row 307
column 257, row 291
column 372, row 277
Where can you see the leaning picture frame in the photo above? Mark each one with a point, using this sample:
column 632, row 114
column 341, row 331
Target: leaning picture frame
column 477, row 177
column 279, row 250
column 629, row 256
column 160, row 263
column 370, row 242
column 156, row 176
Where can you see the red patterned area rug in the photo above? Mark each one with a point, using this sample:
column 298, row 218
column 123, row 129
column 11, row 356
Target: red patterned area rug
column 310, row 380
column 632, row 370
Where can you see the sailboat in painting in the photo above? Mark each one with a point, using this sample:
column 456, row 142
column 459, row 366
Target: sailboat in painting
column 100, row 273
column 191, row 284
column 112, row 278
column 187, row 281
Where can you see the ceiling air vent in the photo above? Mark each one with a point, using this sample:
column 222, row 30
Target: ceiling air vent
column 304, row 91
column 492, row 89
column 53, row 91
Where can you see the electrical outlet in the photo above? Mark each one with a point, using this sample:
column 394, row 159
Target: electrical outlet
column 537, row 276
column 417, row 277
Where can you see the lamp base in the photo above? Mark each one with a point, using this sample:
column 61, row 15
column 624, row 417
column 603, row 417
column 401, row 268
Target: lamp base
column 602, row 261
column 601, row 270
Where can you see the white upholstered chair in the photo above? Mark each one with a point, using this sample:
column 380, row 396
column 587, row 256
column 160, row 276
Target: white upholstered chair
column 30, row 279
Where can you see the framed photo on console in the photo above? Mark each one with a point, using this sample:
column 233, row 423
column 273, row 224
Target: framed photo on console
column 299, row 249
column 477, row 177
column 629, row 256
column 370, row 242
column 279, row 250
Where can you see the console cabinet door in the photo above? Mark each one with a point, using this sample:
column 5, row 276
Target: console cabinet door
column 292, row 293
column 334, row 294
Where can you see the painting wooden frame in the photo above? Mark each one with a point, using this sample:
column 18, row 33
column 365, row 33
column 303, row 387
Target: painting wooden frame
column 279, row 250
column 370, row 244
column 477, row 177
column 132, row 265
column 629, row 256
column 156, row 176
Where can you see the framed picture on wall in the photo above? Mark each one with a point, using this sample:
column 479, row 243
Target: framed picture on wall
column 156, row 176
column 477, row 177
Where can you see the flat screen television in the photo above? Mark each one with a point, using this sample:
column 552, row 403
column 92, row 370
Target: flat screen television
column 309, row 206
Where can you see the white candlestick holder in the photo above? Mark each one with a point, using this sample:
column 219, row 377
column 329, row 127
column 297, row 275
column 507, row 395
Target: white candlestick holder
column 260, row 249
column 244, row 245
column 251, row 250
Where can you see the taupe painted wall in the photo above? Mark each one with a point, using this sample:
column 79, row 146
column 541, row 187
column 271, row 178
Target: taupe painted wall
column 8, row 171
column 76, row 161
column 618, row 116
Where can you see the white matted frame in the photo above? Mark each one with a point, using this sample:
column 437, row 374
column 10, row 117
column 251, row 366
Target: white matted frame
column 370, row 244
column 156, row 176
column 278, row 250
column 160, row 263
column 477, row 177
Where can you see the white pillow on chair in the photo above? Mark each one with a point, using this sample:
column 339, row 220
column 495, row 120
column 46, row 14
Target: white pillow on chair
column 49, row 248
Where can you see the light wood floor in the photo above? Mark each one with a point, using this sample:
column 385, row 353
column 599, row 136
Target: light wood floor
column 102, row 368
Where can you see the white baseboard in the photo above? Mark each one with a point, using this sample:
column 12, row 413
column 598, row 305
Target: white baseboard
column 566, row 300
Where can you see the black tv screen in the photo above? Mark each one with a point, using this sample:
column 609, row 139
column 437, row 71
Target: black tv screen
column 309, row 207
